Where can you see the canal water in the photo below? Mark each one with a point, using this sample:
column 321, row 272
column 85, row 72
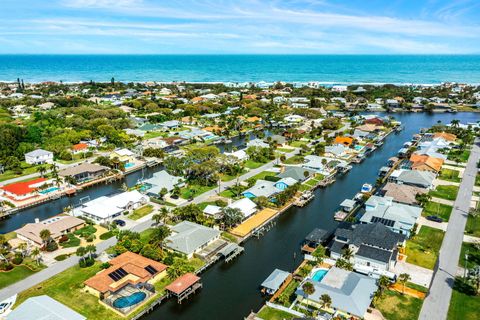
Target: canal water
column 231, row 290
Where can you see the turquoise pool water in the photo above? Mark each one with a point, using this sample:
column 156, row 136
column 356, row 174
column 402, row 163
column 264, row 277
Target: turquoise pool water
column 319, row 274
column 358, row 147
column 48, row 190
column 130, row 300
column 129, row 165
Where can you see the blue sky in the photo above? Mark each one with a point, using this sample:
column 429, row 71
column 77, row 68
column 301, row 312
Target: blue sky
column 251, row 26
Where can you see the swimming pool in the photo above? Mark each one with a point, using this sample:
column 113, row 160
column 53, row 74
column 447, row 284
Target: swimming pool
column 130, row 300
column 129, row 165
column 319, row 274
column 48, row 190
column 358, row 147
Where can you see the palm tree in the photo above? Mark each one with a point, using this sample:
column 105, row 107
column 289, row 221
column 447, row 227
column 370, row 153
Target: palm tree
column 42, row 170
column 163, row 213
column 403, row 279
column 383, row 283
column 326, row 300
column 90, row 249
column 36, row 255
column 45, row 235
column 455, row 123
column 308, row 289
column 55, row 175
column 347, row 254
column 159, row 235
column 81, row 253
column 23, row 249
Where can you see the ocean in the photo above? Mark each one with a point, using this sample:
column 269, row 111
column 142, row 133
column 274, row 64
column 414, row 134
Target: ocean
column 328, row 69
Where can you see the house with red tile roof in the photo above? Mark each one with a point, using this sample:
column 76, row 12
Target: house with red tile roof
column 127, row 269
column 79, row 148
column 22, row 190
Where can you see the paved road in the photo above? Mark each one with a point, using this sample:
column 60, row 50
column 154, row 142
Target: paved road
column 56, row 268
column 437, row 301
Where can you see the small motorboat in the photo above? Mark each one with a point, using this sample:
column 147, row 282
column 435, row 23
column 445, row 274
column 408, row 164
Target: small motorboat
column 366, row 188
column 7, row 304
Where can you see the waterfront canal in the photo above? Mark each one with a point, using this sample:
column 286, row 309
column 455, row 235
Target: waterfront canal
column 230, row 291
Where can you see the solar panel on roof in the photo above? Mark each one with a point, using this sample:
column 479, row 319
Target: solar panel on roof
column 117, row 274
column 386, row 222
column 151, row 269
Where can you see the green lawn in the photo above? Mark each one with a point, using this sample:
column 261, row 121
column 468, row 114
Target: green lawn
column 463, row 306
column 85, row 231
column 194, row 190
column 460, row 156
column 473, row 226
column 253, row 165
column 288, row 295
column 262, row 175
column 422, row 249
column 445, row 192
column 141, row 212
column 268, row 313
column 66, row 287
column 226, row 177
column 9, row 174
column 297, row 159
column 450, row 175
column 477, row 180
column 154, row 134
column 395, row 306
column 298, row 144
column 72, row 241
column 473, row 255
column 437, row 209
column 16, row 274
column 287, row 150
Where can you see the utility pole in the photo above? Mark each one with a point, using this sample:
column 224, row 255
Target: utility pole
column 466, row 265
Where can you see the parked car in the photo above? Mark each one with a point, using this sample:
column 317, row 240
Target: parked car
column 119, row 222
column 435, row 219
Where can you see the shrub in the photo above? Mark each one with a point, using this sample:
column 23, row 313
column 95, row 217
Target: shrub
column 90, row 238
column 61, row 257
column 87, row 262
column 6, row 266
column 105, row 265
column 106, row 235
column 220, row 203
column 17, row 260
column 51, row 246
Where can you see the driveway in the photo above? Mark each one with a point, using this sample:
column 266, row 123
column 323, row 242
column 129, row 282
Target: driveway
column 422, row 221
column 419, row 275
column 437, row 302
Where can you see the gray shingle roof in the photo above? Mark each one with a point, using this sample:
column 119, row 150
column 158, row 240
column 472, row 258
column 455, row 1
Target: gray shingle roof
column 374, row 234
column 296, row 173
column 43, row 308
column 275, row 279
column 374, row 253
column 188, row 237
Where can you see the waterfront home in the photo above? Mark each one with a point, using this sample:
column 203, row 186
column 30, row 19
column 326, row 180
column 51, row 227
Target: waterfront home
column 284, row 183
column 126, row 270
column 39, row 156
column 261, row 188
column 104, row 209
column 297, row 173
column 214, row 211
column 359, row 134
column 274, row 281
column 24, row 190
column 155, row 143
column 240, row 155
column 351, row 292
column 402, row 193
column 422, row 179
column 279, row 140
column 43, row 307
column 189, row 238
column 369, row 128
column 160, row 180
column 398, row 217
column 58, row 226
column 426, row 163
column 450, row 137
column 245, row 205
column 257, row 143
column 123, row 155
column 84, row 172
column 373, row 245
column 345, row 141
column 337, row 150
column 321, row 165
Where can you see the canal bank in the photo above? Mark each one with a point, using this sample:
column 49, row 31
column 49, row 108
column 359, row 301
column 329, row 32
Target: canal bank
column 231, row 290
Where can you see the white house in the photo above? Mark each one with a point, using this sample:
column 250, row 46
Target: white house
column 245, row 205
column 39, row 156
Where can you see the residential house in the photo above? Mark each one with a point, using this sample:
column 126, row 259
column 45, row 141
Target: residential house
column 257, row 143
column 398, row 217
column 337, row 150
column 416, row 178
column 345, row 141
column 58, row 226
column 24, row 190
column 245, row 205
column 351, row 292
column 189, row 238
column 79, row 148
column 45, row 308
column 104, row 209
column 262, row 188
column 402, row 193
column 297, row 173
column 39, row 156
column 450, row 137
column 279, row 140
column 84, row 172
column 426, row 163
column 212, row 210
column 240, row 155
column 373, row 245
column 127, row 269
column 284, row 183
column 123, row 155
column 161, row 180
